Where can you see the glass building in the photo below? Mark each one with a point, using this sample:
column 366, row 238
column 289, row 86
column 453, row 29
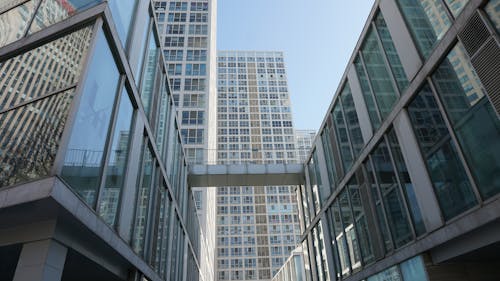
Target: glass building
column 293, row 269
column 402, row 182
column 93, row 175
column 304, row 139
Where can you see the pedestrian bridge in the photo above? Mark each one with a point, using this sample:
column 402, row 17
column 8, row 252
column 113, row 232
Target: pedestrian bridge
column 245, row 174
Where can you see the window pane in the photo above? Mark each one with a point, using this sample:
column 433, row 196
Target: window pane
column 82, row 167
column 122, row 12
column 395, row 210
column 13, row 23
column 143, row 197
column 340, row 239
column 456, row 6
column 342, row 137
column 351, row 119
column 413, row 270
column 330, row 163
column 117, row 162
column 427, row 20
column 404, row 178
column 350, row 230
column 367, row 94
column 359, row 209
column 391, row 53
column 21, row 80
column 29, row 138
column 149, row 74
column 493, row 11
column 473, row 118
column 378, row 73
column 447, row 173
column 54, row 11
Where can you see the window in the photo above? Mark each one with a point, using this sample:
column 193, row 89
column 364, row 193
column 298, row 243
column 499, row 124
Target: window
column 176, row 17
column 473, row 118
column 198, row 29
column 198, row 17
column 193, row 117
column 194, row 84
column 174, row 69
column 175, row 28
column 171, row 41
column 192, row 136
column 427, row 21
column 88, row 141
column 453, row 189
column 197, row 42
column 193, row 69
column 173, row 55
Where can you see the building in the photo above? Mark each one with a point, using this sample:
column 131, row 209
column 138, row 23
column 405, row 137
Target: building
column 257, row 226
column 402, row 180
column 293, row 269
column 187, row 32
column 304, row 140
column 93, row 177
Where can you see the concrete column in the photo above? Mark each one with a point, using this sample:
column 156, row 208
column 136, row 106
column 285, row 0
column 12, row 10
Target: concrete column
column 41, row 261
column 426, row 198
column 365, row 123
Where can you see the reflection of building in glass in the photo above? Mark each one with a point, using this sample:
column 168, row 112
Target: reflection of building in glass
column 373, row 193
column 293, row 269
column 97, row 186
column 304, row 139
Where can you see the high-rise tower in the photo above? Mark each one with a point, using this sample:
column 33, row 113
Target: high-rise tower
column 257, row 227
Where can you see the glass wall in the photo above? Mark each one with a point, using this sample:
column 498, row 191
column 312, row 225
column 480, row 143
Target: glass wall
column 428, row 21
column 117, row 160
column 149, row 72
column 86, row 149
column 473, row 118
column 492, row 9
column 30, row 130
column 453, row 189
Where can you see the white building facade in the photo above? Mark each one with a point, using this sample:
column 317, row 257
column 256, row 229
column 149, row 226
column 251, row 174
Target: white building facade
column 257, row 227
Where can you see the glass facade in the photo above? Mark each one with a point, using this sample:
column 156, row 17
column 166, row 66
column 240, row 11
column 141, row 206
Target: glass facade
column 86, row 150
column 427, row 21
column 473, row 118
column 69, row 117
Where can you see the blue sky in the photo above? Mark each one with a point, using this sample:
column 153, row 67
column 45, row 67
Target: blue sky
column 316, row 36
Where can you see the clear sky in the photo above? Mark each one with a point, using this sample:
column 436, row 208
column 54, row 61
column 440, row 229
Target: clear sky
column 316, row 36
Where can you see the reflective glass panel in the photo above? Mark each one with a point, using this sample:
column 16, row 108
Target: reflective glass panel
column 447, row 173
column 350, row 230
column 84, row 157
column 358, row 209
column 382, row 222
column 340, row 240
column 427, row 20
column 117, row 161
column 393, row 202
column 144, row 182
column 330, row 163
column 29, row 138
column 149, row 74
column 367, row 94
column 413, row 269
column 473, row 117
column 54, row 11
column 493, row 11
column 405, row 180
column 21, row 80
column 456, row 6
column 352, row 121
column 123, row 13
column 378, row 73
column 14, row 22
column 341, row 132
column 391, row 53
